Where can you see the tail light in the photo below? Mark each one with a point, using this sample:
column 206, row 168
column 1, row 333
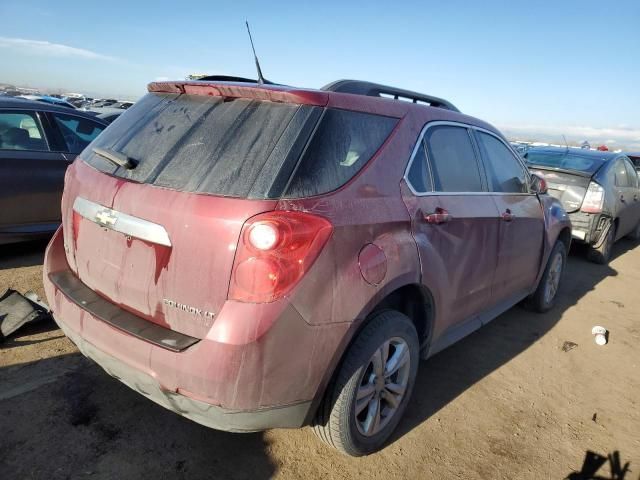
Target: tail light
column 593, row 199
column 274, row 252
column 76, row 227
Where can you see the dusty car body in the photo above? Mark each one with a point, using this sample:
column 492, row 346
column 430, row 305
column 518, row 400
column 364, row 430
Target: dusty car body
column 293, row 268
column 599, row 190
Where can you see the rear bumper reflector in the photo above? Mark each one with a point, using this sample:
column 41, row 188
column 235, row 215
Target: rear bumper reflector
column 121, row 222
column 579, row 234
column 87, row 299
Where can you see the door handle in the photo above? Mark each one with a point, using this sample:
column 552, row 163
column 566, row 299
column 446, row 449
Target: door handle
column 507, row 216
column 439, row 216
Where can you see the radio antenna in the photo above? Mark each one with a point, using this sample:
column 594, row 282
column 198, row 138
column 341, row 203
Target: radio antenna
column 566, row 145
column 260, row 77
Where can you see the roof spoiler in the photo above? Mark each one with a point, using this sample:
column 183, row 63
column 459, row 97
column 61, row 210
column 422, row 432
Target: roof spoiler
column 370, row 89
column 230, row 78
column 250, row 90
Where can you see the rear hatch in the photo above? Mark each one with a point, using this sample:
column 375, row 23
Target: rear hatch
column 152, row 221
column 567, row 172
column 159, row 239
column 568, row 187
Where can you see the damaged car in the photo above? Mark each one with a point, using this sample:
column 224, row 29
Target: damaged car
column 598, row 189
column 256, row 256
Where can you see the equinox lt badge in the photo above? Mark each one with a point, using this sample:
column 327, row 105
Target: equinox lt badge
column 188, row 308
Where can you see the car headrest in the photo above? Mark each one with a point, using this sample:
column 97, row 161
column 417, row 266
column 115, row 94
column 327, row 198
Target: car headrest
column 16, row 136
column 27, row 123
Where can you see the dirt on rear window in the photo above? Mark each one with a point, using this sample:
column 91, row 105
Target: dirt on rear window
column 240, row 147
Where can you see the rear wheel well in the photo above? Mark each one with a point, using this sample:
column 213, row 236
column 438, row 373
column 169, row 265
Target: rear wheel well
column 415, row 302
column 412, row 300
column 565, row 237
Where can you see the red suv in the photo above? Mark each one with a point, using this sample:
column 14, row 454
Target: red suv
column 257, row 256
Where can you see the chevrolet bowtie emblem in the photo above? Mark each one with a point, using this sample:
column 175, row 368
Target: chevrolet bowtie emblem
column 106, row 218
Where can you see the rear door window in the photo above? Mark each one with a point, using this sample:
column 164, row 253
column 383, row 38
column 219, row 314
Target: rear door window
column 21, row 130
column 505, row 173
column 343, row 143
column 77, row 132
column 453, row 160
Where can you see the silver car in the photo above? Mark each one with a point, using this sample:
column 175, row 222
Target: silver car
column 599, row 190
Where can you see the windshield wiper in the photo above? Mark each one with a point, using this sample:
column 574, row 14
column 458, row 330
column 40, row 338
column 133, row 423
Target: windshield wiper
column 116, row 158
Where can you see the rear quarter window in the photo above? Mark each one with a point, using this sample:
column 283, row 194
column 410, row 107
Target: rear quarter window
column 419, row 175
column 342, row 144
column 632, row 174
column 620, row 173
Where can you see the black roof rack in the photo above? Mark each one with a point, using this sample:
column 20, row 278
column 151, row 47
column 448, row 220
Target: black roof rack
column 376, row 90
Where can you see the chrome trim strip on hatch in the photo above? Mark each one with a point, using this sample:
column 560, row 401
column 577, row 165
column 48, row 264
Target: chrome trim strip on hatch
column 121, row 222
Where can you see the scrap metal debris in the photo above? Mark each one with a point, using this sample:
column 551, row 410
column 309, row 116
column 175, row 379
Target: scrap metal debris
column 17, row 310
column 566, row 346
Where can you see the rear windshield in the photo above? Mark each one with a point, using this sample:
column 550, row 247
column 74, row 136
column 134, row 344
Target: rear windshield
column 240, row 147
column 564, row 161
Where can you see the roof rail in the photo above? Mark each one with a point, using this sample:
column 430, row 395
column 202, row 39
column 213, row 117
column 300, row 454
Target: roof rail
column 376, row 90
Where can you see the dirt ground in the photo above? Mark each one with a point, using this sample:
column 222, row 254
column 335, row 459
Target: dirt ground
column 523, row 398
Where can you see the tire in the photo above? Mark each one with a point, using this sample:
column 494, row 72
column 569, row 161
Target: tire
column 544, row 298
column 635, row 233
column 336, row 421
column 602, row 253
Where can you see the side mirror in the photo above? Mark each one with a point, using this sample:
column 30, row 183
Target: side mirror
column 538, row 184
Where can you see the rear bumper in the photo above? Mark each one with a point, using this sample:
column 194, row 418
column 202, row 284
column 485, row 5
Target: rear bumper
column 588, row 227
column 201, row 412
column 260, row 366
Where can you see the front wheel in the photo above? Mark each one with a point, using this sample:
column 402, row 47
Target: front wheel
column 370, row 391
column 545, row 295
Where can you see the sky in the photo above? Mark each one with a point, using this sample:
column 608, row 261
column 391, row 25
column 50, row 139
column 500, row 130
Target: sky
column 536, row 69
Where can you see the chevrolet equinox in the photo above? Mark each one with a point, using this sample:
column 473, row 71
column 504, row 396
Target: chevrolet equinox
column 257, row 256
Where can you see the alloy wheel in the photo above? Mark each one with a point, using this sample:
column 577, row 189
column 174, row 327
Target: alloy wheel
column 553, row 278
column 383, row 386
